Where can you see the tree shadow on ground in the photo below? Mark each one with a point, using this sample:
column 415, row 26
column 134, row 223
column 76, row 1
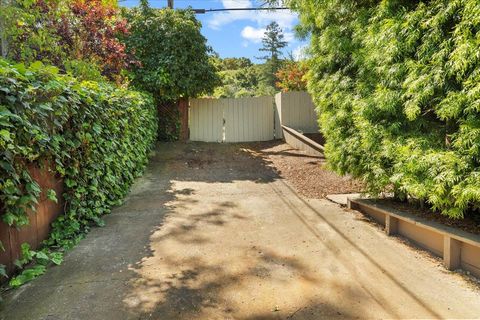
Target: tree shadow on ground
column 176, row 285
column 153, row 258
column 199, row 292
column 171, row 282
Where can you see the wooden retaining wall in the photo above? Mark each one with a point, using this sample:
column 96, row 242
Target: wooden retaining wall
column 40, row 221
column 301, row 142
column 459, row 249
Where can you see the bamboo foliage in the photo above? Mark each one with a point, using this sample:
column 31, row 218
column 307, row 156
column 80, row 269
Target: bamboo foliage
column 397, row 87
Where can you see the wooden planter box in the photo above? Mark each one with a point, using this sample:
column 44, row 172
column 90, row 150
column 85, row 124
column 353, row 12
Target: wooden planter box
column 459, row 249
column 40, row 221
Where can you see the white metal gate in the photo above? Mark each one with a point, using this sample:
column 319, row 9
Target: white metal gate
column 232, row 120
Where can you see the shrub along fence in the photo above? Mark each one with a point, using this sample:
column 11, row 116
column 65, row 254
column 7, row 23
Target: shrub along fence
column 95, row 137
column 397, row 86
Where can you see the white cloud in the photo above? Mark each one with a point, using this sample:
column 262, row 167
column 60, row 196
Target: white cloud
column 285, row 18
column 237, row 3
column 253, row 34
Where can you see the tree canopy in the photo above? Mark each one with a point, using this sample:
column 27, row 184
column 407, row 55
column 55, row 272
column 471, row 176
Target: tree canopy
column 173, row 56
column 292, row 76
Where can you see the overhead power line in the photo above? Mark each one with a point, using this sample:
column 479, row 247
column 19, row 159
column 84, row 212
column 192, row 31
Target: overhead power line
column 201, row 11
column 170, row 4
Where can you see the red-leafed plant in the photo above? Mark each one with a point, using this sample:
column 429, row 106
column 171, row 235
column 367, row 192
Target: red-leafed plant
column 94, row 35
column 76, row 35
column 291, row 77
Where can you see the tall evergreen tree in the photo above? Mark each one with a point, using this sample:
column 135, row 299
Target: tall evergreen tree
column 273, row 43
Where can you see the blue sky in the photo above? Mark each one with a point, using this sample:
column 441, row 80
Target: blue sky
column 236, row 33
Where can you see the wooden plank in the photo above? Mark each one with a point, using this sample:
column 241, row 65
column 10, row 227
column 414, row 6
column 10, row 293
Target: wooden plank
column 302, row 142
column 458, row 234
column 391, row 225
column 240, row 129
column 270, row 119
column 253, row 117
column 229, row 116
column 209, row 116
column 424, row 238
column 457, row 247
column 470, row 258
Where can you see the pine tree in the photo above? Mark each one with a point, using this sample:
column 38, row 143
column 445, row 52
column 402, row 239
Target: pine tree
column 273, row 42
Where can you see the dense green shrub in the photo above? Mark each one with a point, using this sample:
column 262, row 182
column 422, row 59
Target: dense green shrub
column 172, row 54
column 98, row 137
column 397, row 85
column 172, row 60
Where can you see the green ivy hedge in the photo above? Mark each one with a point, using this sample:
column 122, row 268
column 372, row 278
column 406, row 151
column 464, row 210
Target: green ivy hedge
column 397, row 85
column 98, row 137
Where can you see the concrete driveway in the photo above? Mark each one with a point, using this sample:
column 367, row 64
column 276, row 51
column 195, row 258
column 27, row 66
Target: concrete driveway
column 211, row 232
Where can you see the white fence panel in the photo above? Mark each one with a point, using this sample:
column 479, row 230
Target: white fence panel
column 249, row 119
column 206, row 120
column 296, row 110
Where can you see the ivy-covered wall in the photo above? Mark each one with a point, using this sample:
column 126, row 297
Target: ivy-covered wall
column 97, row 136
column 397, row 86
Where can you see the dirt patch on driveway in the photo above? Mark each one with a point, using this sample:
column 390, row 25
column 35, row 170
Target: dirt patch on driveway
column 308, row 174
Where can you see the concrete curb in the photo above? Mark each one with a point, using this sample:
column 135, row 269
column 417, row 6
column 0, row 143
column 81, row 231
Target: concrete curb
column 459, row 249
column 342, row 198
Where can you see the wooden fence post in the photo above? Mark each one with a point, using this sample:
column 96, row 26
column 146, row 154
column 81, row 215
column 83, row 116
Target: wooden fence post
column 40, row 221
column 183, row 111
column 451, row 253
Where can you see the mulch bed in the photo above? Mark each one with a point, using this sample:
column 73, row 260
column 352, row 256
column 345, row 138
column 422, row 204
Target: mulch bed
column 308, row 174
